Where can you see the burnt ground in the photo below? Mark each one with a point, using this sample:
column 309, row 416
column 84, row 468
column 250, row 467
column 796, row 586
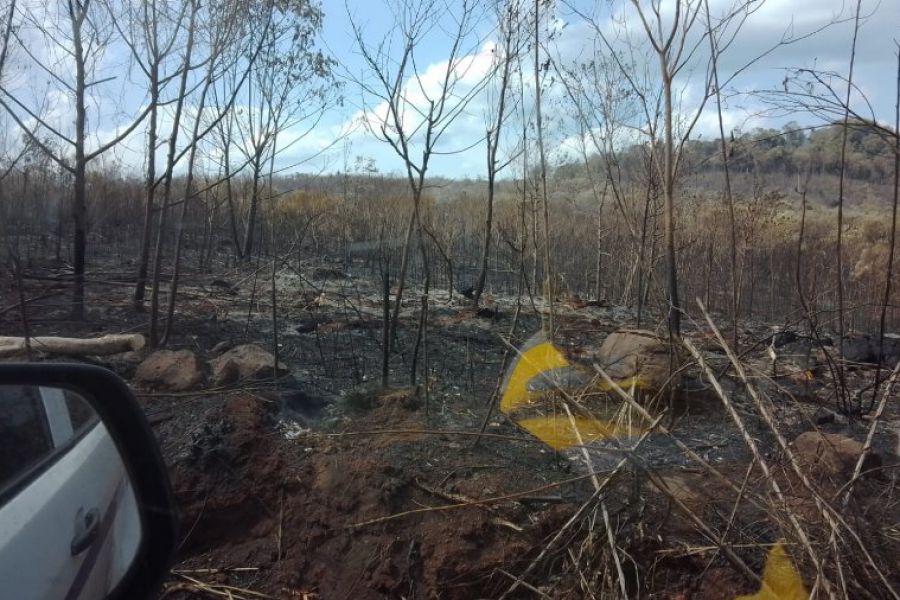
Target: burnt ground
column 321, row 485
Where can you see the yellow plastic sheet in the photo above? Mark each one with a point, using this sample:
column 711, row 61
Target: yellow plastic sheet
column 557, row 431
column 781, row 581
column 536, row 360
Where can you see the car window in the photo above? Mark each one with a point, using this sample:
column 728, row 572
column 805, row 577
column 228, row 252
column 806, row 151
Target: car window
column 80, row 412
column 25, row 438
column 68, row 414
column 36, row 424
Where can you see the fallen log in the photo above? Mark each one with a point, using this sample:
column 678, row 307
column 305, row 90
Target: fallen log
column 108, row 344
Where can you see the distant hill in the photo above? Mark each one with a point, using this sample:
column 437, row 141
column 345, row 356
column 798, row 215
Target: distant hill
column 773, row 159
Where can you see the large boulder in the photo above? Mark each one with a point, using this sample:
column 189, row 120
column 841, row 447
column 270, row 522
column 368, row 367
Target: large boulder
column 639, row 358
column 175, row 370
column 830, row 455
column 246, row 362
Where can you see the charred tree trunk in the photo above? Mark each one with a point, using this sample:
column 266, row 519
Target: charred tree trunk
column 249, row 232
column 150, row 191
column 79, row 204
column 674, row 310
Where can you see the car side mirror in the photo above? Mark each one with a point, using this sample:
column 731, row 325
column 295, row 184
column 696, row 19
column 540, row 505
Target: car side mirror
column 86, row 509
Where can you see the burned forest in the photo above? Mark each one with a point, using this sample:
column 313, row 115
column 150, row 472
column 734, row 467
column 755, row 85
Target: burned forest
column 477, row 298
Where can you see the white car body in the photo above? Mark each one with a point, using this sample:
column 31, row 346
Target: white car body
column 38, row 525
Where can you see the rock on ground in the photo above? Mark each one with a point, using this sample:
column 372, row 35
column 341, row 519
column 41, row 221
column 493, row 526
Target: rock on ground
column 220, row 348
column 830, row 455
column 636, row 355
column 176, row 370
column 245, row 362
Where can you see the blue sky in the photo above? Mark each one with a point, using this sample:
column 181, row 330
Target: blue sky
column 461, row 152
column 826, row 50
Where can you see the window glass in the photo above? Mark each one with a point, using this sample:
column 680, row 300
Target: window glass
column 80, row 412
column 68, row 414
column 25, row 437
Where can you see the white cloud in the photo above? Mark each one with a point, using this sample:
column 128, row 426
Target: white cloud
column 461, row 152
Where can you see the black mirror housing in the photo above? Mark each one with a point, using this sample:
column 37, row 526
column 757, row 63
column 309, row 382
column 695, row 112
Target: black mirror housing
column 117, row 408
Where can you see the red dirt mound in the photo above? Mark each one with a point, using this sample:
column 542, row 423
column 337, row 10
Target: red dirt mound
column 283, row 517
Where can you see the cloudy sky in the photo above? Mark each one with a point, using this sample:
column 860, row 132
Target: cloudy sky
column 775, row 20
column 342, row 135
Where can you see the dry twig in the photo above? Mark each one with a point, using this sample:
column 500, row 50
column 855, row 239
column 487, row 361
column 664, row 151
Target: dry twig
column 578, row 513
column 831, row 516
column 767, row 472
column 484, row 501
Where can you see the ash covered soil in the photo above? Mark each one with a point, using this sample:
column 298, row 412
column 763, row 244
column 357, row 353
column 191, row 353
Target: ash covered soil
column 320, row 484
